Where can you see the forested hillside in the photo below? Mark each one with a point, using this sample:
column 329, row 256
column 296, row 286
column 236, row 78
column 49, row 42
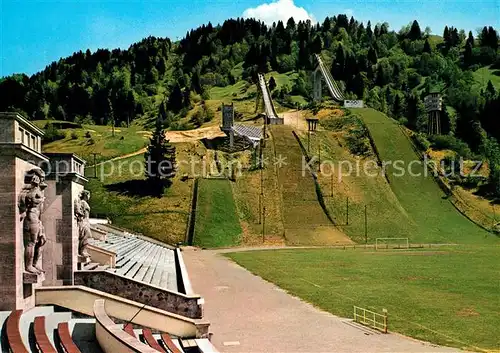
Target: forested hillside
column 391, row 70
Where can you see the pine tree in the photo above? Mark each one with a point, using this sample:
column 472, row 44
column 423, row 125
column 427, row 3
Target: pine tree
column 130, row 106
column 470, row 39
column 317, row 45
column 159, row 158
column 175, row 101
column 110, row 116
column 446, row 37
column 484, row 37
column 290, row 25
column 427, row 46
column 195, row 82
column 327, row 24
column 372, row 55
column 272, row 83
column 490, row 90
column 162, row 113
column 369, row 32
column 397, row 107
column 468, row 57
column 186, row 98
column 415, row 32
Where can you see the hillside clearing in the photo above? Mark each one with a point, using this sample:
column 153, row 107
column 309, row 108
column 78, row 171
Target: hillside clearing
column 119, row 194
column 485, row 74
column 100, row 140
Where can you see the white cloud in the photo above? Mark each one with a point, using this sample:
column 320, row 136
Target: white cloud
column 349, row 12
column 278, row 10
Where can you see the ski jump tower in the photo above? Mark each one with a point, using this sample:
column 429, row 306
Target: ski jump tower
column 333, row 86
column 271, row 115
column 433, row 106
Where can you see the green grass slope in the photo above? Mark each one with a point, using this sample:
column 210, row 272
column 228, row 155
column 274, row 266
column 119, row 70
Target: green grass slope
column 304, row 220
column 436, row 218
column 100, row 140
column 485, row 74
column 386, row 217
column 217, row 222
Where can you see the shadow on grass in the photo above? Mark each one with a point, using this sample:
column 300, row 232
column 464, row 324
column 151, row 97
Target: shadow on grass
column 139, row 188
column 488, row 192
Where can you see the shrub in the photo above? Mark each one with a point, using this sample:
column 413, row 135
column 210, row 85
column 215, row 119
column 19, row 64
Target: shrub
column 74, row 135
column 421, row 141
column 472, row 181
column 451, row 165
column 448, row 142
column 178, row 125
column 197, row 118
column 88, row 135
column 209, row 115
column 52, row 133
column 357, row 146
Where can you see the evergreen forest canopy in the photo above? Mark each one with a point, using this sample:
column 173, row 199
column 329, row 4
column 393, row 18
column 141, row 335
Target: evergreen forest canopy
column 391, row 70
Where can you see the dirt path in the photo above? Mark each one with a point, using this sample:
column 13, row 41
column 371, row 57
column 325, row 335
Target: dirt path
column 194, row 135
column 141, row 151
column 296, row 119
column 248, row 314
column 175, row 137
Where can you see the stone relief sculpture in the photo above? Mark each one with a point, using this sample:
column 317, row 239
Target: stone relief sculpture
column 30, row 206
column 82, row 214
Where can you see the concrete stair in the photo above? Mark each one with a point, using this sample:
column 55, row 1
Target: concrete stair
column 83, row 334
column 47, row 335
column 140, row 260
column 46, row 338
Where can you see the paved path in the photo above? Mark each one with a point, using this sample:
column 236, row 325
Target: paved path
column 248, row 314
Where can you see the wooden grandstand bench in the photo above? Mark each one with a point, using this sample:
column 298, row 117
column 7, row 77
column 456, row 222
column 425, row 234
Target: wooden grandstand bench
column 16, row 343
column 41, row 338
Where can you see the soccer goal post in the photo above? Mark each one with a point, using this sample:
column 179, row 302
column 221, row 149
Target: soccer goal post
column 392, row 243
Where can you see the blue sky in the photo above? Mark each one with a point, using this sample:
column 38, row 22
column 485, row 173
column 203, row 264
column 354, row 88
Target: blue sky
column 37, row 32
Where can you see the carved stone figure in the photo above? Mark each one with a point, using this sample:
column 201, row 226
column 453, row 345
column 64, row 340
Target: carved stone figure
column 30, row 206
column 82, row 214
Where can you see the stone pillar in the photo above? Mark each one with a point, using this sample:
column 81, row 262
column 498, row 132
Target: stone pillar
column 20, row 152
column 65, row 183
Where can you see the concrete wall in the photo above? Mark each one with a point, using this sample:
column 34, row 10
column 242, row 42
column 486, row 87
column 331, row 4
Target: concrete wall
column 10, row 237
column 61, row 250
column 112, row 283
column 81, row 299
column 184, row 284
column 7, row 133
column 52, row 221
column 111, row 337
column 102, row 256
